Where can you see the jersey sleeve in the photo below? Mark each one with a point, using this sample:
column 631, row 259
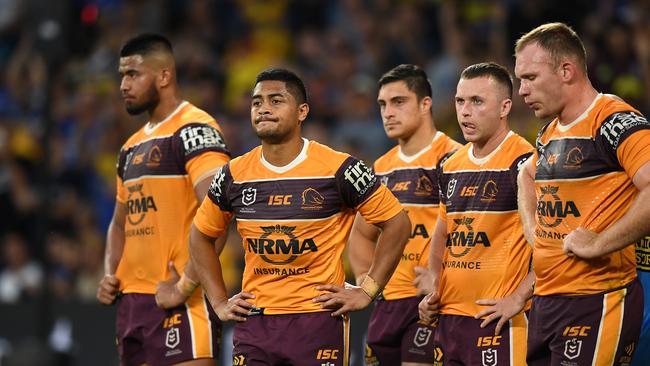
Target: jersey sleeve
column 121, row 195
column 624, row 139
column 356, row 182
column 516, row 166
column 361, row 190
column 214, row 214
column 202, row 149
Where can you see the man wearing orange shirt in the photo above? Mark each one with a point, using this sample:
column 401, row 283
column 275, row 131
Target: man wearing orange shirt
column 294, row 201
column 163, row 172
column 410, row 171
column 478, row 251
column 584, row 201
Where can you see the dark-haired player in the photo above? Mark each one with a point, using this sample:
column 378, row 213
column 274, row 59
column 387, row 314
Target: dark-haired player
column 163, row 172
column 294, row 202
column 410, row 171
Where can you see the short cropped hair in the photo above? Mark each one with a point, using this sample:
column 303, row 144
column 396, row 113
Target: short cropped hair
column 293, row 83
column 145, row 44
column 559, row 40
column 490, row 69
column 415, row 78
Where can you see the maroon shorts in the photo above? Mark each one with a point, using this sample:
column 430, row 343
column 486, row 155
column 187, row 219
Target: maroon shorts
column 148, row 334
column 461, row 341
column 601, row 329
column 292, row 339
column 395, row 335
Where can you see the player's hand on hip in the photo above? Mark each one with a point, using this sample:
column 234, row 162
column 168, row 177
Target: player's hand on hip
column 342, row 299
column 581, row 243
column 428, row 307
column 424, row 280
column 107, row 290
column 235, row 308
column 167, row 293
column 502, row 309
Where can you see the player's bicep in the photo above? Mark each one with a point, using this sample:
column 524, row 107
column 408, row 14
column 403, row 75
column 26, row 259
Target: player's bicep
column 201, row 188
column 365, row 230
column 641, row 178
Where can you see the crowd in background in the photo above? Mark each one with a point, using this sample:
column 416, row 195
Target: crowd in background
column 62, row 120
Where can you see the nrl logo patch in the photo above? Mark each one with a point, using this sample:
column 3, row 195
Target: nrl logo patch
column 173, row 338
column 248, row 196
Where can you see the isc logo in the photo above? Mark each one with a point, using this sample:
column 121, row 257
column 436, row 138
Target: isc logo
column 327, row 354
column 576, row 331
column 172, row 320
column 401, row 186
column 469, row 191
column 280, row 200
column 488, row 341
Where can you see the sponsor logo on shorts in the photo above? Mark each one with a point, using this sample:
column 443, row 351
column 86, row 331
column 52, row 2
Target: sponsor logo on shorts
column 370, row 358
column 626, row 358
column 239, row 360
column 643, row 254
column 437, row 356
column 326, row 355
column 489, row 357
column 422, row 336
column 572, row 348
column 173, row 337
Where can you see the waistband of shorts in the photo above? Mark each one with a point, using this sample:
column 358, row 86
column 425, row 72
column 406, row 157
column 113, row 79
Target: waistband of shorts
column 627, row 285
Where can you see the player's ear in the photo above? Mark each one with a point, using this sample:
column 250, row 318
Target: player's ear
column 425, row 104
column 165, row 77
column 506, row 105
column 567, row 70
column 303, row 111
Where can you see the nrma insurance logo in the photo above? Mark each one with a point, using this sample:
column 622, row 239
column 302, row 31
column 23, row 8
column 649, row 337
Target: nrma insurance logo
column 279, row 245
column 551, row 209
column 138, row 204
column 463, row 237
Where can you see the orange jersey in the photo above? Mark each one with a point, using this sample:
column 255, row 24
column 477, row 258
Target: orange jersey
column 486, row 255
column 583, row 179
column 414, row 181
column 294, row 220
column 156, row 173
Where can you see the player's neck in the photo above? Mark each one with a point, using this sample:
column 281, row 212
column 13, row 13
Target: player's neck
column 577, row 104
column 282, row 153
column 164, row 108
column 418, row 140
column 482, row 150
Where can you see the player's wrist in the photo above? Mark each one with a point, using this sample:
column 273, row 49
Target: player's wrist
column 370, row 287
column 186, row 285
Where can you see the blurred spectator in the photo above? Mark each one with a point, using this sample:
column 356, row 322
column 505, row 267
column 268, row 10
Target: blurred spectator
column 21, row 277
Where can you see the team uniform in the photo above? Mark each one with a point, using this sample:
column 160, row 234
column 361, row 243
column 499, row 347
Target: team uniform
column 294, row 222
column 486, row 255
column 394, row 333
column 642, row 355
column 156, row 174
column 586, row 311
